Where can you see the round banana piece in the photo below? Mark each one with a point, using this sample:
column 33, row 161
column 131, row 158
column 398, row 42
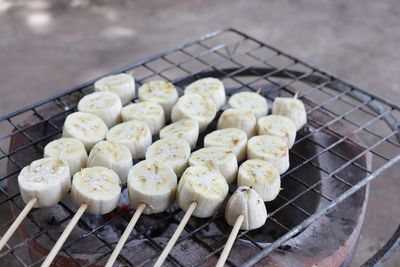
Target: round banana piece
column 221, row 159
column 194, row 107
column 250, row 101
column 113, row 156
column 184, row 129
column 209, row 87
column 261, row 176
column 160, row 92
column 247, row 202
column 69, row 149
column 277, row 125
column 98, row 187
column 86, row 127
column 232, row 138
column 48, row 180
column 269, row 148
column 203, row 185
column 135, row 135
column 121, row 84
column 292, row 108
column 172, row 151
column 151, row 113
column 240, row 118
column 153, row 183
column 106, row 105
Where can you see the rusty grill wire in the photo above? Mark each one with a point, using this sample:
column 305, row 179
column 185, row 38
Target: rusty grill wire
column 243, row 63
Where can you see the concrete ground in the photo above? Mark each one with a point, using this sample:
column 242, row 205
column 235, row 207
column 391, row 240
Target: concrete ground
column 47, row 46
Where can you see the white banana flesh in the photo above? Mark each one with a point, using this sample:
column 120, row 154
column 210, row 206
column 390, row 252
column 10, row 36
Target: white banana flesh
column 152, row 183
column 270, row 148
column 209, row 87
column 48, row 180
column 247, row 202
column 292, row 108
column 232, row 138
column 150, row 113
column 277, row 125
column 121, row 84
column 221, row 159
column 113, row 156
column 261, row 176
column 106, row 105
column 205, row 186
column 160, row 92
column 239, row 118
column 187, row 130
column 250, row 101
column 172, row 151
column 87, row 128
column 134, row 135
column 194, row 107
column 98, row 187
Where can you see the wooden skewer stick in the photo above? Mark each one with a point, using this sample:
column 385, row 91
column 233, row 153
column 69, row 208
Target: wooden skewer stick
column 231, row 240
column 17, row 222
column 125, row 235
column 176, row 235
column 56, row 248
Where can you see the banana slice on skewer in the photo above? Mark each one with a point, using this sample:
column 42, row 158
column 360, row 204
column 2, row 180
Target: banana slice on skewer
column 151, row 113
column 135, row 135
column 232, row 138
column 106, row 105
column 121, row 84
column 209, row 87
column 240, row 118
column 160, row 92
column 292, row 108
column 194, row 107
column 113, row 156
column 221, row 159
column 269, row 148
column 261, row 176
column 69, row 149
column 184, row 129
column 172, row 151
column 278, row 126
column 86, row 127
column 250, row 101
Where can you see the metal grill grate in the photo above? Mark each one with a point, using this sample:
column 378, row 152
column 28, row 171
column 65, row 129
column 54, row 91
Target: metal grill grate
column 243, row 63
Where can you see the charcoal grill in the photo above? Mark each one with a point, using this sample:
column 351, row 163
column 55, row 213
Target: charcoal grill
column 351, row 138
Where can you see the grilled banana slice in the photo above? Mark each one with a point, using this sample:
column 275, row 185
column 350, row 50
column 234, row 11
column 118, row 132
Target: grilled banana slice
column 135, row 135
column 160, row 92
column 269, row 148
column 240, row 118
column 245, row 201
column 121, row 84
column 46, row 179
column 153, row 183
column 172, row 151
column 98, row 187
column 209, row 87
column 250, row 101
column 292, row 108
column 86, row 127
column 194, row 107
column 69, row 149
column 277, row 125
column 113, row 156
column 185, row 129
column 261, row 176
column 203, row 185
column 106, row 105
column 151, row 113
column 232, row 138
column 221, row 159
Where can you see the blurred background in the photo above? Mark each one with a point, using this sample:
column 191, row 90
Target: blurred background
column 49, row 46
